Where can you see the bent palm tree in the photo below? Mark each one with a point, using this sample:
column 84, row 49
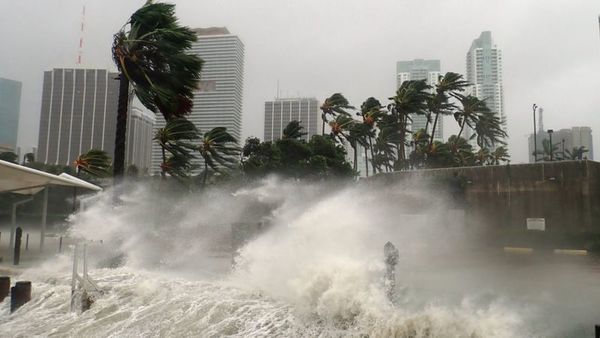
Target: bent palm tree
column 576, row 153
column 150, row 54
column 177, row 137
column 293, row 130
column 95, row 162
column 449, row 85
column 219, row 150
column 468, row 113
column 334, row 105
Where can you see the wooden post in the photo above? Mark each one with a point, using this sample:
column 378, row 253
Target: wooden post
column 4, row 287
column 60, row 245
column 391, row 259
column 17, row 252
column 27, row 242
column 19, row 295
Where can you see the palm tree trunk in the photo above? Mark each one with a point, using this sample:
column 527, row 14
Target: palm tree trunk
column 164, row 161
column 462, row 126
column 323, row 126
column 121, row 130
column 366, row 162
column 205, row 174
column 75, row 192
column 433, row 131
column 355, row 156
column 372, row 157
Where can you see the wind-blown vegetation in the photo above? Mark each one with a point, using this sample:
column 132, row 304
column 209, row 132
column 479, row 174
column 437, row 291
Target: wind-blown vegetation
column 389, row 141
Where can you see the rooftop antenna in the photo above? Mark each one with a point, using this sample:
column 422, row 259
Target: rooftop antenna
column 80, row 50
column 277, row 89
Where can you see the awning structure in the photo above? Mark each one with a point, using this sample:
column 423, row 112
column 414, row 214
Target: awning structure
column 27, row 181
column 22, row 180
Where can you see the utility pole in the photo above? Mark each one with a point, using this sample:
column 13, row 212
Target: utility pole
column 534, row 135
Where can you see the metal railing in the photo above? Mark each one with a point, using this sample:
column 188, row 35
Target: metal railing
column 81, row 284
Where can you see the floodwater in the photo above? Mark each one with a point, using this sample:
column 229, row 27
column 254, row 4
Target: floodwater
column 317, row 271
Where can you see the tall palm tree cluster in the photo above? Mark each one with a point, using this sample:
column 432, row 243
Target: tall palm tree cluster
column 152, row 54
column 385, row 135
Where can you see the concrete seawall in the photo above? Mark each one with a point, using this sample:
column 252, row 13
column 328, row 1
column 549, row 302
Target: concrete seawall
column 565, row 194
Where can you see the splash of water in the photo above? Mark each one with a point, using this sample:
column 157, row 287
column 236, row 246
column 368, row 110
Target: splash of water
column 316, row 271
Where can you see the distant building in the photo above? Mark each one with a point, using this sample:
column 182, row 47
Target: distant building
column 79, row 113
column 218, row 100
column 420, row 69
column 280, row 112
column 563, row 140
column 484, row 72
column 140, row 124
column 10, row 103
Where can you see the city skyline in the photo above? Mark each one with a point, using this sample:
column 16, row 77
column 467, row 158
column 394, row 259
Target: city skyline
column 318, row 62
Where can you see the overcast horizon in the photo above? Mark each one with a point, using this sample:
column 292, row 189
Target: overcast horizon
column 551, row 51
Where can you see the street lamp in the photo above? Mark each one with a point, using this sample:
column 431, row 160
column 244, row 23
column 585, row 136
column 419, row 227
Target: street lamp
column 534, row 135
column 550, row 131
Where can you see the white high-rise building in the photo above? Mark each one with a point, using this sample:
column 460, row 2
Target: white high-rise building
column 420, row 69
column 484, row 72
column 218, row 100
column 280, row 112
column 140, row 123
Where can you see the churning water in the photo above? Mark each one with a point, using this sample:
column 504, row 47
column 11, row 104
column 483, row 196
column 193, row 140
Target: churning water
column 315, row 271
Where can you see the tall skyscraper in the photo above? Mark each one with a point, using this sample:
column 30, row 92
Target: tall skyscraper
column 218, row 100
column 280, row 112
column 79, row 110
column 420, row 69
column 79, row 113
column 10, row 103
column 484, row 72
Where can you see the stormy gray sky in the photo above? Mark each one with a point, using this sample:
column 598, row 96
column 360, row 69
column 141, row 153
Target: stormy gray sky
column 551, row 50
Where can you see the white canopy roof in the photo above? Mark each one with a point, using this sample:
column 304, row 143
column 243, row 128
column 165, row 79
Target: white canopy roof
column 27, row 181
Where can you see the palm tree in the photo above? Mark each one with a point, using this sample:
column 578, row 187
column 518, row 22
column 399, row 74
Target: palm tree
column 336, row 104
column 219, row 149
column 94, row 162
column 28, row 158
column 576, row 153
column 482, row 156
column 410, row 99
column 177, row 138
column 449, row 85
column 468, row 113
column 150, row 52
column 548, row 151
column 500, row 154
column 488, row 130
column 293, row 130
column 460, row 150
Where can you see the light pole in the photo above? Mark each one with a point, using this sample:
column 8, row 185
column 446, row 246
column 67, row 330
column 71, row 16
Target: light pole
column 534, row 135
column 550, row 131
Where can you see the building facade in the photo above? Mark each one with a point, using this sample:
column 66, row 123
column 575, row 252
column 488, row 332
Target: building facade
column 564, row 140
column 79, row 113
column 484, row 72
column 281, row 111
column 10, row 106
column 218, row 100
column 140, row 125
column 419, row 69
